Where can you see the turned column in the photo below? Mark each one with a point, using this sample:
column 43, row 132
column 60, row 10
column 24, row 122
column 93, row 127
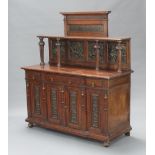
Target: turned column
column 41, row 46
column 119, row 48
column 96, row 47
column 58, row 52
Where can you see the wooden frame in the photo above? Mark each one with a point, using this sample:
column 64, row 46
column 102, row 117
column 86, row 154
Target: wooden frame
column 86, row 23
column 85, row 87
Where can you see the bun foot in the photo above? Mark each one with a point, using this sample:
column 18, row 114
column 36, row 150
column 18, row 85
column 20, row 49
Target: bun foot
column 30, row 125
column 106, row 143
column 127, row 134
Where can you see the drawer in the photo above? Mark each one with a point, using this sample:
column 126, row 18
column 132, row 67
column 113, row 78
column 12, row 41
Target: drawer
column 32, row 75
column 92, row 82
column 75, row 81
column 67, row 80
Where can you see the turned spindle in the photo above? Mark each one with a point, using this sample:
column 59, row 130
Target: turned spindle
column 119, row 48
column 58, row 52
column 41, row 46
column 96, row 47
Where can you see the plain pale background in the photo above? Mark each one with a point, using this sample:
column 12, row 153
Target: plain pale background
column 29, row 18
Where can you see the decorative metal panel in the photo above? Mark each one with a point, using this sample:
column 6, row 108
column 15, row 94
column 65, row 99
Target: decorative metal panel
column 62, row 49
column 54, row 109
column 95, row 111
column 113, row 53
column 37, row 108
column 92, row 54
column 73, row 107
column 124, row 56
column 76, row 50
column 85, row 28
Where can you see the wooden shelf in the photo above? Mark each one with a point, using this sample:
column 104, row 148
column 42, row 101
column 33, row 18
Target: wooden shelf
column 78, row 71
column 85, row 38
column 85, row 13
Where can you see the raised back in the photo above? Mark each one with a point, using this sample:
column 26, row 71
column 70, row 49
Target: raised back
column 86, row 43
column 86, row 23
column 91, row 52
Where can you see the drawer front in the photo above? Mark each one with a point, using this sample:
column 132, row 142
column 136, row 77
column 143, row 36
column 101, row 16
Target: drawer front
column 67, row 80
column 92, row 82
column 32, row 75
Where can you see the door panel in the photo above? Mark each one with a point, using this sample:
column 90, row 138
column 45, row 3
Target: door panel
column 75, row 112
column 95, row 101
column 28, row 93
column 38, row 99
column 53, row 104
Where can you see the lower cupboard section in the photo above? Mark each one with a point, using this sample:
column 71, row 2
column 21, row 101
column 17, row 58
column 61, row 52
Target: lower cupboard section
column 125, row 129
column 84, row 110
column 68, row 130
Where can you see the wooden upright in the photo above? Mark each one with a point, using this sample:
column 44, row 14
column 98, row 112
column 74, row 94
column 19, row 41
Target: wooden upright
column 84, row 90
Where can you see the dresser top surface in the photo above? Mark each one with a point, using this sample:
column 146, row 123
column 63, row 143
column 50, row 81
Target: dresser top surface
column 86, row 13
column 77, row 71
column 85, row 38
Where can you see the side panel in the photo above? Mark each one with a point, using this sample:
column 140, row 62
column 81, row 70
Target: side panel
column 119, row 109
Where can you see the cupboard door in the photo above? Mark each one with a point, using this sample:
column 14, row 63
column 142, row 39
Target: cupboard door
column 95, row 101
column 53, row 104
column 28, row 95
column 76, row 112
column 38, row 99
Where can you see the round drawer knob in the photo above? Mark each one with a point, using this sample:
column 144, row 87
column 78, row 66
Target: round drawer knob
column 51, row 79
column 65, row 106
column 105, row 96
column 82, row 94
column 62, row 91
column 70, row 82
column 83, row 106
column 93, row 84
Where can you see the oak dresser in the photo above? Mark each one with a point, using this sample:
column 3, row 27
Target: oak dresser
column 84, row 89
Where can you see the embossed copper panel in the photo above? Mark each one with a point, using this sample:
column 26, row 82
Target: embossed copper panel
column 95, row 111
column 76, row 50
column 54, row 103
column 62, row 49
column 73, row 107
column 124, row 55
column 85, row 28
column 92, row 54
column 37, row 100
column 113, row 53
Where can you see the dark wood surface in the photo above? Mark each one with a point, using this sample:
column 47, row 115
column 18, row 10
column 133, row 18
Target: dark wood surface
column 101, row 105
column 77, row 71
column 85, row 13
column 86, row 38
column 84, row 89
column 86, row 23
column 113, row 54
